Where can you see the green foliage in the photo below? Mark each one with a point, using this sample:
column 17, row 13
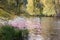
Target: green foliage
column 11, row 33
column 34, row 7
column 7, row 33
column 11, row 5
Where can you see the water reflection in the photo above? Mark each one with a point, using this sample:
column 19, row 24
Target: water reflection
column 47, row 26
column 56, row 29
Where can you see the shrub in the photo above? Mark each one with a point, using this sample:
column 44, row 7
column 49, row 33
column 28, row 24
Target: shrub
column 10, row 33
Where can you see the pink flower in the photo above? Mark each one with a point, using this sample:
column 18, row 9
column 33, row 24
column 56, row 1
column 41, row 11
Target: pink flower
column 29, row 23
column 18, row 22
column 14, row 24
column 33, row 23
